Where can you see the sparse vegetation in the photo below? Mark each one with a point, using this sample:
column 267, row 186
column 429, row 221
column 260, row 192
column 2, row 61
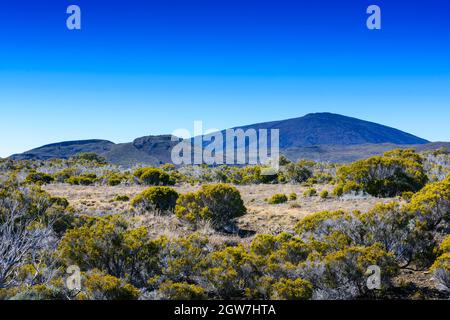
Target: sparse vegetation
column 199, row 238
column 278, row 198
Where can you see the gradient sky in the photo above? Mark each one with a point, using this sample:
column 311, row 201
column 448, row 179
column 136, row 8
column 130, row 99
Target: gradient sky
column 150, row 67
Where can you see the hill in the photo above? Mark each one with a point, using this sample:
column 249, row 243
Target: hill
column 317, row 136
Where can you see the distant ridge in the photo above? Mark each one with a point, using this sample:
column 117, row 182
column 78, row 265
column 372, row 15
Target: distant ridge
column 317, row 129
column 317, row 136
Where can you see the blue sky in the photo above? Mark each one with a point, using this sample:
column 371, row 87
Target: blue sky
column 150, row 67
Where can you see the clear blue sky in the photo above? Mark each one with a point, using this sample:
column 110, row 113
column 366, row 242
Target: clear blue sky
column 150, row 67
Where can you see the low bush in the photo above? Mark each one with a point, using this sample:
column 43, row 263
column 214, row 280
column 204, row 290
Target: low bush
column 122, row 198
column 97, row 285
column 181, row 291
column 324, row 194
column 153, row 177
column 220, row 204
column 311, row 192
column 162, row 199
column 83, row 180
column 39, row 178
column 441, row 267
column 278, row 199
column 386, row 176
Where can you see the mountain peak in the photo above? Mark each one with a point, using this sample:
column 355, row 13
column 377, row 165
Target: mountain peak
column 324, row 135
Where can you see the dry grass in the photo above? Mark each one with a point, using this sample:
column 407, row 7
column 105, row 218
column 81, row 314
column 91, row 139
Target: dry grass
column 261, row 217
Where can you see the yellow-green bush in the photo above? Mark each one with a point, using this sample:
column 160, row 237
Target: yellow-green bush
column 39, row 178
column 220, row 204
column 293, row 196
column 387, row 176
column 311, row 192
column 278, row 199
column 90, row 157
column 324, row 194
column 231, row 272
column 292, row 289
column 152, row 177
column 162, row 199
column 108, row 245
column 181, row 291
column 441, row 267
column 432, row 203
column 98, row 285
column 86, row 179
column 298, row 172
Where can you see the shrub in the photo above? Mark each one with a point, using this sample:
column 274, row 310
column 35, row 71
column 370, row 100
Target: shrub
column 288, row 289
column 432, row 204
column 156, row 198
column 407, row 196
column 324, row 194
column 90, row 156
column 122, row 198
column 231, row 272
column 441, row 267
column 298, row 172
column 338, row 191
column 220, row 204
column 181, row 291
column 278, row 199
column 387, row 176
column 182, row 258
column 97, row 285
column 108, row 245
column 115, row 178
column 65, row 174
column 311, row 192
column 152, row 177
column 39, row 178
column 293, row 196
column 84, row 180
column 342, row 274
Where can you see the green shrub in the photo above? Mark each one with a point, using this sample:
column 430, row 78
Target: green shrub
column 387, row 176
column 293, row 196
column 83, row 180
column 311, row 192
column 288, row 289
column 278, row 199
column 156, row 198
column 181, row 291
column 324, row 194
column 407, row 196
column 152, row 177
column 298, row 172
column 231, row 272
column 109, row 245
column 97, row 285
column 122, row 198
column 90, row 156
column 65, row 174
column 220, row 204
column 39, row 178
column 115, row 178
column 338, row 191
column 432, row 203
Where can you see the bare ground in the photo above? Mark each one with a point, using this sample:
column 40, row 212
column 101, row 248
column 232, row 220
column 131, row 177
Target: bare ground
column 261, row 217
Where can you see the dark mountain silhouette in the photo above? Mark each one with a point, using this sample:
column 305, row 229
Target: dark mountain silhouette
column 318, row 136
column 317, row 129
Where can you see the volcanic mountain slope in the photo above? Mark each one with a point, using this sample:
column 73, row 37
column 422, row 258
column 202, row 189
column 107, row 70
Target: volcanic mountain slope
column 318, row 129
column 318, row 136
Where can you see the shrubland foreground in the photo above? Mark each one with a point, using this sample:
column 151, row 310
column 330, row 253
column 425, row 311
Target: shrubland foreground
column 197, row 232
